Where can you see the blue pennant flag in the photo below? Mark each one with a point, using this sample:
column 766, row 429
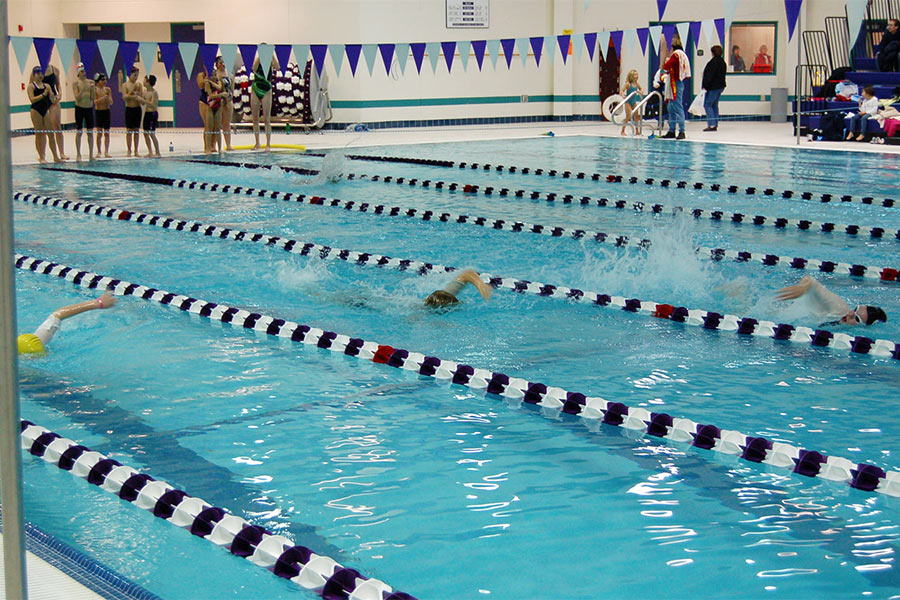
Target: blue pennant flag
column 148, row 55
column 537, row 45
column 337, row 58
column 479, row 46
column 21, row 48
column 167, row 52
column 301, row 55
column 188, row 51
column 418, row 52
column 434, row 54
column 208, row 53
column 66, row 49
column 387, row 56
column 590, row 42
column 229, row 55
column 248, row 54
column 369, row 51
column 108, row 50
column 283, row 54
column 563, row 42
column 44, row 48
column 493, row 48
column 509, row 47
column 464, row 48
column 318, row 52
column 401, row 51
column 128, row 52
column 449, row 50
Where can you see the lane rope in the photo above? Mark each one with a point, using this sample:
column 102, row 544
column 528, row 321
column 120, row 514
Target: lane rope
column 717, row 215
column 887, row 274
column 275, row 553
column 863, row 476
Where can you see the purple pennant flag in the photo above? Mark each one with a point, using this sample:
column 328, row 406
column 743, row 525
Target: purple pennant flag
column 537, row 44
column 479, row 46
column 418, row 52
column 643, row 33
column 353, row 51
column 661, row 6
column 449, row 50
column 318, row 52
column 167, row 52
column 616, row 37
column 720, row 29
column 669, row 33
column 695, row 31
column 387, row 56
column 590, row 41
column 86, row 50
column 563, row 42
column 248, row 53
column 208, row 55
column 283, row 54
column 43, row 47
column 509, row 46
column 128, row 51
column 792, row 11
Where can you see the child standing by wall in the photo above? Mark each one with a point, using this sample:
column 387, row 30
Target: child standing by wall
column 632, row 85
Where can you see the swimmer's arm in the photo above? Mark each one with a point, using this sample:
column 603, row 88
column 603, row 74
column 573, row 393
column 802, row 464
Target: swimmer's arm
column 105, row 301
column 792, row 292
column 470, row 276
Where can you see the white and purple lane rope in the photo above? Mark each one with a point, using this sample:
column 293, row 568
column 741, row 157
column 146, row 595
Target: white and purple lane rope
column 696, row 317
column 621, row 241
column 716, row 215
column 863, row 476
column 275, row 553
column 649, row 181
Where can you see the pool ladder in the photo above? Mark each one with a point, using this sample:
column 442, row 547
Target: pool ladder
column 640, row 108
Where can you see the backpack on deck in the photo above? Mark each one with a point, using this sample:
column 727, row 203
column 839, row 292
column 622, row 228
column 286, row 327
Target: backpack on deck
column 832, row 125
column 837, row 76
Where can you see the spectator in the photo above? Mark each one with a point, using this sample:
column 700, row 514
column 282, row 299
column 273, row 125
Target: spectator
column 678, row 68
column 714, row 84
column 868, row 108
column 886, row 52
column 737, row 61
column 632, row 86
column 763, row 62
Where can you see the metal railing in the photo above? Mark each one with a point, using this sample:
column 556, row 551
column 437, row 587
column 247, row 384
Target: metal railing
column 640, row 107
column 838, row 41
column 807, row 78
column 815, row 43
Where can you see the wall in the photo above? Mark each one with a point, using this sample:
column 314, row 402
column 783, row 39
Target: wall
column 553, row 89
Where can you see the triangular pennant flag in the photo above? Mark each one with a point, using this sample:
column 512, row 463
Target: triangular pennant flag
column 537, row 46
column 464, row 47
column 509, row 48
column 449, row 50
column 369, row 52
column 792, row 11
column 266, row 52
column 730, row 6
column 669, row 33
column 208, row 53
column 522, row 46
column 229, row 55
column 684, row 30
column 856, row 13
column 401, row 51
column 418, row 52
column 353, row 52
column 493, row 48
column 720, row 29
column 590, row 42
column 148, row 55
column 661, row 7
column 188, row 51
column 318, row 52
column 616, row 37
column 387, row 56
column 603, row 43
column 643, row 34
column 283, row 54
column 44, row 48
column 578, row 45
column 337, row 59
column 630, row 37
column 128, row 53
column 655, row 35
column 21, row 48
column 66, row 49
column 248, row 53
column 301, row 55
column 709, row 30
column 167, row 52
column 108, row 50
column 550, row 47
column 479, row 46
column 695, row 32
column 434, row 54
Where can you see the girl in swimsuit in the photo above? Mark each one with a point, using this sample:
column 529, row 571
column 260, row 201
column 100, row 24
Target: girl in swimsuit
column 51, row 78
column 216, row 106
column 227, row 99
column 203, row 107
column 262, row 97
column 39, row 95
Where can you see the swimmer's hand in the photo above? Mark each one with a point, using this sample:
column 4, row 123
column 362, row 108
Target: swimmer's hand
column 107, row 300
column 792, row 292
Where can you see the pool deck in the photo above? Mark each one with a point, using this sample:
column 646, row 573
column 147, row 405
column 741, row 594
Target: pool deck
column 752, row 133
column 46, row 582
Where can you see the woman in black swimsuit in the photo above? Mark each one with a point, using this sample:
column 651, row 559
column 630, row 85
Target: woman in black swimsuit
column 51, row 78
column 39, row 95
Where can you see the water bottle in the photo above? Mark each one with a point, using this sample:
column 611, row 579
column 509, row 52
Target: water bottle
column 287, row 129
column 171, row 147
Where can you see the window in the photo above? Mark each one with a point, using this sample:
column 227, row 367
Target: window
column 751, row 48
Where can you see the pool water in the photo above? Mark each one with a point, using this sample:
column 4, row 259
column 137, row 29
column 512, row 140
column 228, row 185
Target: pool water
column 439, row 490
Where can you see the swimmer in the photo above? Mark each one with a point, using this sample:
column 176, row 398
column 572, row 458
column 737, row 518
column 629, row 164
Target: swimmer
column 132, row 92
column 150, row 100
column 39, row 94
column 447, row 295
column 830, row 306
column 35, row 343
column 261, row 98
column 102, row 101
column 84, row 111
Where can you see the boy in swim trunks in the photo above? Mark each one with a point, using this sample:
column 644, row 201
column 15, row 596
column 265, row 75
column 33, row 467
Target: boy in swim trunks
column 102, row 101
column 150, row 100
column 35, row 343
column 132, row 93
column 84, row 111
column 447, row 296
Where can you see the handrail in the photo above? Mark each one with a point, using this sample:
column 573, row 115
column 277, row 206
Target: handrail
column 642, row 103
column 806, row 76
column 621, row 104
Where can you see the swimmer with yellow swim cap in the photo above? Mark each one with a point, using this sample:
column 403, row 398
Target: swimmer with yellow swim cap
column 35, row 343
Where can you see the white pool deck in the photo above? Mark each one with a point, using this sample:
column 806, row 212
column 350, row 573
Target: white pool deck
column 47, row 582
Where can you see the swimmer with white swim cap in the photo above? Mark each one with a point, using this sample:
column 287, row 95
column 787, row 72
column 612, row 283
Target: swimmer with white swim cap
column 447, row 296
column 828, row 307
column 35, row 343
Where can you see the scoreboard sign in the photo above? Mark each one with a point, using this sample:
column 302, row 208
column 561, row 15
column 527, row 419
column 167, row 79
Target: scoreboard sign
column 468, row 13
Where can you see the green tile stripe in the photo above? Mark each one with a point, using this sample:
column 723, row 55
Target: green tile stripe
column 24, row 108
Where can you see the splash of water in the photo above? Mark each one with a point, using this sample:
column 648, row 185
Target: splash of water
column 333, row 167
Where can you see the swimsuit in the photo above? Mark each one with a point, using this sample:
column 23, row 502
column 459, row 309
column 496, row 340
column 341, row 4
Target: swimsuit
column 47, row 329
column 41, row 105
column 103, row 118
column 261, row 85
column 85, row 116
column 634, row 99
column 51, row 81
column 151, row 120
column 132, row 117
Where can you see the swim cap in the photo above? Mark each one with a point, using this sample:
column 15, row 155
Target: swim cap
column 875, row 313
column 30, row 344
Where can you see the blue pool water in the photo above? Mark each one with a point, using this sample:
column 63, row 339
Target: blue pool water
column 438, row 490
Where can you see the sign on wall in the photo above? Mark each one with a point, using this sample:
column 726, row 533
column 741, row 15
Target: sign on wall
column 468, row 13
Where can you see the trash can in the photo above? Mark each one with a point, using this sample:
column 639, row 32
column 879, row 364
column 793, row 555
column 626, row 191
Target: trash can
column 778, row 100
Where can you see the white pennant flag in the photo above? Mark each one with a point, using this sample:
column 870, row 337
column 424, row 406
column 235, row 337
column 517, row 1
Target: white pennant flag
column 709, row 30
column 684, row 30
column 655, row 36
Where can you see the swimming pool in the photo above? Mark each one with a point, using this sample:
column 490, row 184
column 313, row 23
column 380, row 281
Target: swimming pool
column 442, row 490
